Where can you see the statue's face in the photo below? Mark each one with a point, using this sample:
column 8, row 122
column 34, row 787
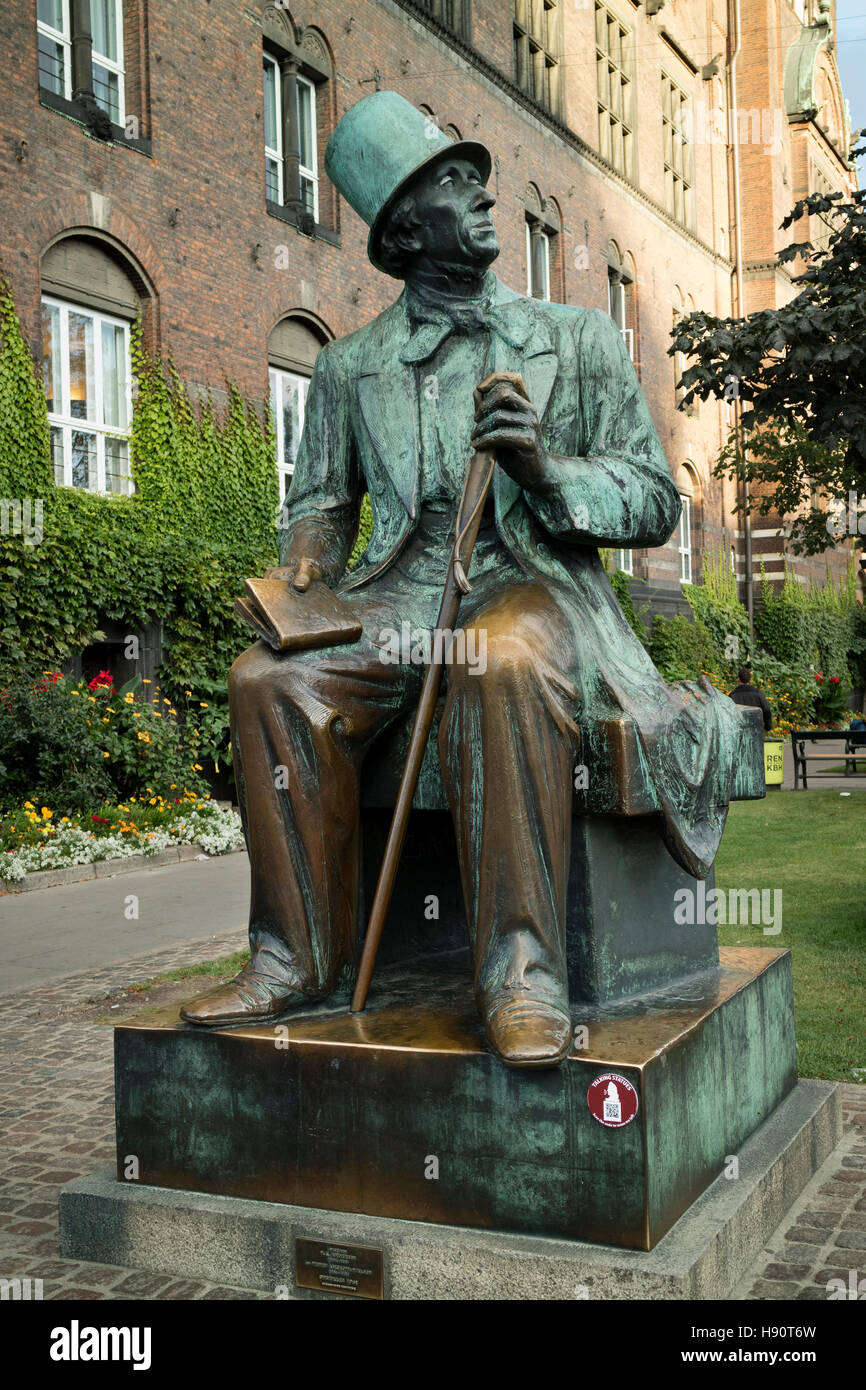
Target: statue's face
column 453, row 206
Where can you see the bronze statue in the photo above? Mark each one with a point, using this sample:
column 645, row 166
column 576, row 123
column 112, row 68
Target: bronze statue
column 396, row 409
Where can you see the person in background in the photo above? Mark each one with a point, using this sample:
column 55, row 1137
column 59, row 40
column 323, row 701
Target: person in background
column 747, row 694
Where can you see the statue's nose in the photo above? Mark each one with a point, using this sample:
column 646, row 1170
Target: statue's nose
column 484, row 199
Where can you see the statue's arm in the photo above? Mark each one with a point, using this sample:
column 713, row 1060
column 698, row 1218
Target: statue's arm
column 618, row 489
column 319, row 521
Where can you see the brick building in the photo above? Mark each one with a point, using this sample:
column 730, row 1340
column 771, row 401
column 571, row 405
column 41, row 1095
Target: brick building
column 168, row 155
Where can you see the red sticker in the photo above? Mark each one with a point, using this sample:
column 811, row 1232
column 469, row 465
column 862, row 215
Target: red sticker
column 612, row 1100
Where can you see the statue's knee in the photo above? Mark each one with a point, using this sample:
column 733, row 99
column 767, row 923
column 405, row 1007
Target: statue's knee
column 509, row 657
column 250, row 673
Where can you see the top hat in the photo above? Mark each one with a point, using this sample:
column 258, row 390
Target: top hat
column 376, row 150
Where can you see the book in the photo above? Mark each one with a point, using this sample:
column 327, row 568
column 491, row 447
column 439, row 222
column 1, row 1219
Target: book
column 290, row 620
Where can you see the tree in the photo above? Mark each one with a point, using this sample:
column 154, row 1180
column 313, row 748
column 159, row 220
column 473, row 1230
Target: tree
column 800, row 374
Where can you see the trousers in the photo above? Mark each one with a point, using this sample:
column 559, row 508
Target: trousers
column 302, row 724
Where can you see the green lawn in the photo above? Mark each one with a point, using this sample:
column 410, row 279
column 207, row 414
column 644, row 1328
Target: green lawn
column 811, row 845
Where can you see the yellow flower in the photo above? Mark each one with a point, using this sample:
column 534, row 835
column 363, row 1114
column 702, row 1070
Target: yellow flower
column 105, row 755
column 75, row 692
column 166, row 702
column 202, row 705
column 145, row 681
column 156, row 714
column 29, row 804
column 105, row 719
column 136, row 715
column 63, row 818
column 46, row 813
column 152, row 801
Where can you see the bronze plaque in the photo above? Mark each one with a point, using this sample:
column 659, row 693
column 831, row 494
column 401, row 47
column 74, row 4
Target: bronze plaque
column 350, row 1269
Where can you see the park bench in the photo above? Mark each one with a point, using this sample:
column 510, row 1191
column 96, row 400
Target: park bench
column 850, row 757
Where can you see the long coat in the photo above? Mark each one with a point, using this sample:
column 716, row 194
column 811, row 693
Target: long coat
column 612, row 488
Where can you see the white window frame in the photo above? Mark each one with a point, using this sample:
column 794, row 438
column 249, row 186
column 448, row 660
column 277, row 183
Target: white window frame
column 65, row 421
column 304, row 171
column 275, row 152
column 545, row 260
column 114, row 66
column 625, row 561
column 628, row 339
column 276, row 377
column 65, row 39
column 684, row 540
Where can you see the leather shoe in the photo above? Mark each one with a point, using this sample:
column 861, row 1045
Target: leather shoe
column 526, row 1032
column 251, row 997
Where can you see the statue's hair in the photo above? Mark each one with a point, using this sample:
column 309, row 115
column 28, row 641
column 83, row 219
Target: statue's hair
column 402, row 217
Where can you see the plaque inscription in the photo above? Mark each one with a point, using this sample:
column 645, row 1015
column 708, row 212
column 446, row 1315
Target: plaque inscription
column 356, row 1270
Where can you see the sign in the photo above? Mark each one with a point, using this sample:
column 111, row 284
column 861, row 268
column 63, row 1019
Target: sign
column 612, row 1100
column 348, row 1269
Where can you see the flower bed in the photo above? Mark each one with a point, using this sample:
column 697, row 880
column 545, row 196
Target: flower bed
column 32, row 838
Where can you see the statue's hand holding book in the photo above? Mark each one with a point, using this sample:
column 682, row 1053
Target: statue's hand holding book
column 292, row 618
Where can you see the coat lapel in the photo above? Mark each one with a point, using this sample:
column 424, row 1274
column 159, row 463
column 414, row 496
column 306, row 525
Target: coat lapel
column 387, row 389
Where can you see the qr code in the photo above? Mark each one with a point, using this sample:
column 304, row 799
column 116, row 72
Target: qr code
column 612, row 1110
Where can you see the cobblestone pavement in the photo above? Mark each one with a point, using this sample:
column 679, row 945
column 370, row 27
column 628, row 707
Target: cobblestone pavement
column 57, row 1120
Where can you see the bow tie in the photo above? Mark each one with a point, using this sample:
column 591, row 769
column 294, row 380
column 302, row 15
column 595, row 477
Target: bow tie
column 431, row 325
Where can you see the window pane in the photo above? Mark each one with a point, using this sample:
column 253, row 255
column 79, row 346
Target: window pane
column 116, row 464
column 306, row 123
column 82, row 398
column 57, row 453
column 103, row 27
column 51, row 358
column 83, row 459
column 272, row 180
column 114, row 375
column 291, row 418
column 52, row 65
column 106, row 89
column 272, row 132
column 308, row 194
column 50, row 12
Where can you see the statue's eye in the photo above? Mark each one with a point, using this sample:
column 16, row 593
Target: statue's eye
column 447, row 179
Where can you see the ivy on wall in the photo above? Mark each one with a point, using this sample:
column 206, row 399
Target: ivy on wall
column 178, row 549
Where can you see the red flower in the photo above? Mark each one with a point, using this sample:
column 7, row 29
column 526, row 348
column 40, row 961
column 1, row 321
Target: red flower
column 103, row 678
column 819, row 678
column 834, row 680
column 100, row 820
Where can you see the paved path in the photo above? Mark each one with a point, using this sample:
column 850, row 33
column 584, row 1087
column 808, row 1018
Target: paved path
column 53, row 931
column 56, row 1115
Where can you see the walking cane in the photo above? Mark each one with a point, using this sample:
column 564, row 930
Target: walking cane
column 476, row 485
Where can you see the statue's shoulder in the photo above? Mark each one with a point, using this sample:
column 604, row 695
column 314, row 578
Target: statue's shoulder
column 557, row 318
column 347, row 352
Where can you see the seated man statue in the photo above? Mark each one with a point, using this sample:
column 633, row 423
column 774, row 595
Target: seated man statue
column 395, row 410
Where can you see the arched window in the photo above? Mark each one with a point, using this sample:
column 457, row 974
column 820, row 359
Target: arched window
column 298, row 117
column 293, row 347
column 621, row 295
column 688, row 488
column 90, row 296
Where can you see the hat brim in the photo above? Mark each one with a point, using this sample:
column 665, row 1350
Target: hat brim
column 472, row 150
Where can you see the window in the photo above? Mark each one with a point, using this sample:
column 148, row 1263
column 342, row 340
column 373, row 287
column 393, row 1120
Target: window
column 298, row 97
column 55, row 46
column 452, row 14
column 615, row 91
column 684, row 540
column 536, row 47
column 537, row 261
column 288, row 399
column 293, row 346
column 624, row 561
column 620, row 296
column 273, row 131
column 87, row 376
column 307, row 163
column 81, row 54
column 678, row 167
